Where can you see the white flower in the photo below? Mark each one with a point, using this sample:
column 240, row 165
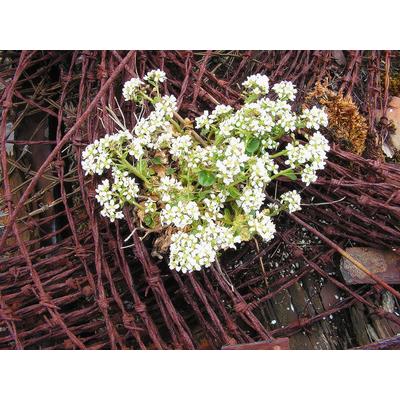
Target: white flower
column 95, row 159
column 220, row 237
column 262, row 224
column 181, row 146
column 168, row 185
column 314, row 118
column 241, row 156
column 308, row 175
column 98, row 156
column 275, row 108
column 113, row 196
column 313, row 152
column 318, row 143
column 291, row 200
column 262, row 170
column 196, row 250
column 104, row 194
column 150, row 206
column 135, row 148
column 213, row 205
column 221, row 110
column 202, row 156
column 269, row 143
column 132, row 88
column 204, row 121
column 155, row 76
column 147, row 129
column 252, row 199
column 285, row 90
column 111, row 204
column 166, row 106
column 164, row 140
column 181, row 214
column 234, row 157
column 124, row 185
column 297, row 154
column 226, row 127
column 112, row 211
column 288, row 121
column 257, row 84
column 189, row 253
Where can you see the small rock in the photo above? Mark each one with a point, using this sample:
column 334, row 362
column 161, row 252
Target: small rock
column 393, row 115
column 385, row 264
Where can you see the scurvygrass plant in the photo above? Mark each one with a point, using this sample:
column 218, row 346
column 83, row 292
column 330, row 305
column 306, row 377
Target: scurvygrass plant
column 206, row 179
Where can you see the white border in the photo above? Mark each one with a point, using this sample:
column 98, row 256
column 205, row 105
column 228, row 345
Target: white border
column 244, row 375
column 199, row 24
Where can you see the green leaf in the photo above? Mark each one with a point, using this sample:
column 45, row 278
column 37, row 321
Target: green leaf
column 291, row 175
column 156, row 160
column 206, row 178
column 170, row 171
column 253, row 146
column 202, row 195
column 142, row 167
column 233, row 192
column 148, row 220
column 227, row 216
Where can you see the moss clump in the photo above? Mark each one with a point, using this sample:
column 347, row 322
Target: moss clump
column 348, row 127
column 394, row 84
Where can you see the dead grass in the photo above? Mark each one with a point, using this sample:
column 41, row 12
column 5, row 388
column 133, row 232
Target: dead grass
column 347, row 126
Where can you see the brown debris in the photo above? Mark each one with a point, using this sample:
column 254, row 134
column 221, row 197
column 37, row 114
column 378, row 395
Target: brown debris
column 347, row 126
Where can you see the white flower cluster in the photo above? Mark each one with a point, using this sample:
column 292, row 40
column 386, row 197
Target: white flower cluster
column 124, row 186
column 147, row 129
column 132, row 88
column 262, row 225
column 192, row 251
column 111, row 206
column 234, row 157
column 312, row 155
column 181, row 146
column 113, row 196
column 166, row 106
column 314, row 118
column 181, row 214
column 189, row 253
column 264, row 119
column 252, row 199
column 292, row 200
column 150, row 206
column 168, row 185
column 153, row 131
column 257, row 84
column 220, row 237
column 285, row 90
column 209, row 187
column 97, row 156
column 262, row 170
column 155, row 76
column 206, row 120
column 95, row 159
column 213, row 206
column 200, row 156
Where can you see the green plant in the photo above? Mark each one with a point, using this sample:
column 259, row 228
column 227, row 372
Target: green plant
column 207, row 182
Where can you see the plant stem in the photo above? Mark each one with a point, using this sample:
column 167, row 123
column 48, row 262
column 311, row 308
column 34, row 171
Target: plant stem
column 281, row 173
column 134, row 170
column 280, row 153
